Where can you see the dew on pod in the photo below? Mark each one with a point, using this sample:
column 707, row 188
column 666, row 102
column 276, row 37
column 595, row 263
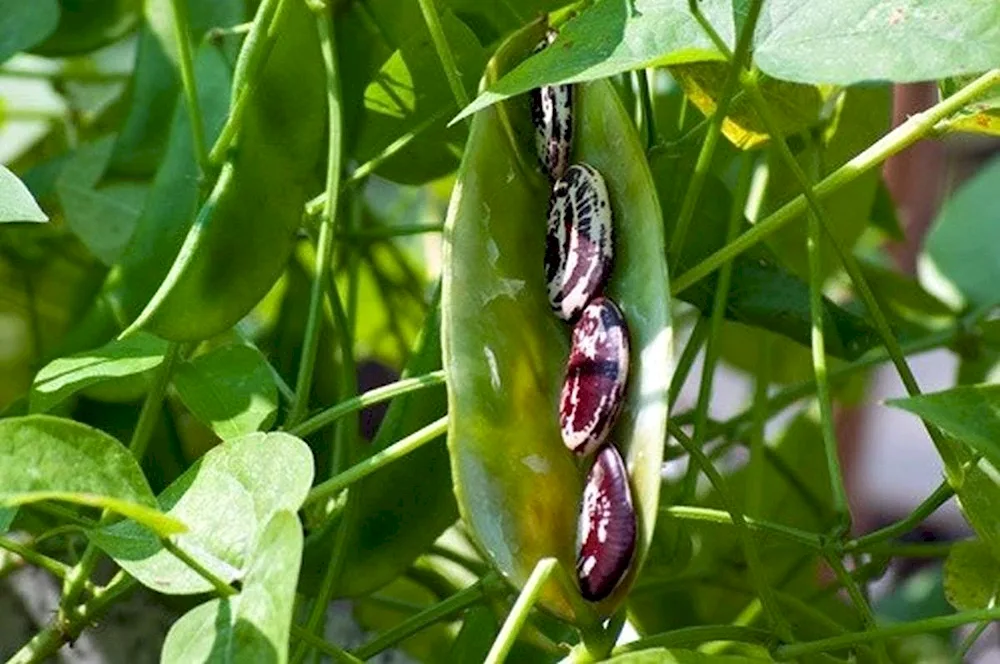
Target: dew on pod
column 578, row 245
column 596, row 375
column 552, row 115
column 607, row 528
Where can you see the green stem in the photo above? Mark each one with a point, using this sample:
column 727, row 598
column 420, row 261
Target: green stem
column 853, row 588
column 928, row 506
column 692, row 513
column 918, row 126
column 253, row 56
column 444, row 52
column 945, row 448
column 691, row 349
column 755, row 467
column 686, row 637
column 838, row 490
column 392, row 453
column 222, row 588
column 54, row 567
column 61, row 631
column 970, row 640
column 886, row 632
column 711, row 140
column 327, row 228
column 383, row 232
column 519, row 612
column 460, row 601
column 754, row 562
column 78, row 576
column 182, row 33
column 315, row 205
column 333, row 652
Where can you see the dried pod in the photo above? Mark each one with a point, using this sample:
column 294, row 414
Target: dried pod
column 578, row 246
column 596, row 375
column 552, row 115
column 607, row 529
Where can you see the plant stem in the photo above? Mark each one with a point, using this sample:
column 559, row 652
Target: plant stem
column 754, row 562
column 253, row 56
column 460, row 601
column 327, row 227
column 519, row 612
column 858, row 599
column 54, row 567
column 392, row 453
column 333, row 652
column 906, row 134
column 694, row 636
column 838, row 491
column 711, row 140
column 384, row 232
column 693, row 513
column 881, row 634
column 969, row 641
column 222, row 588
column 60, row 631
column 755, row 467
column 928, row 506
column 946, row 449
column 182, row 35
column 687, row 358
column 444, row 53
column 78, row 576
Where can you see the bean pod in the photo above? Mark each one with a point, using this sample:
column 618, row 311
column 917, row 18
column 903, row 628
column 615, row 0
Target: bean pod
column 607, row 528
column 552, row 115
column 578, row 247
column 596, row 375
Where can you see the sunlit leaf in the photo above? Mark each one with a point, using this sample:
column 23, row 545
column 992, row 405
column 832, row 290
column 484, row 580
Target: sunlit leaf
column 971, row 576
column 16, row 202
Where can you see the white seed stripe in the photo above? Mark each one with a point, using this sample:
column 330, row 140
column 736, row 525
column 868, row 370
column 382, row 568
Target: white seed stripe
column 552, row 115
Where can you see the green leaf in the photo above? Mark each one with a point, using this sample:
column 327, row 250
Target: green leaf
column 103, row 217
column 979, row 498
column 919, row 596
column 472, row 643
column 253, row 626
column 49, row 458
column 404, row 507
column 230, row 389
column 793, row 106
column 969, row 413
column 861, row 116
column 504, row 350
column 65, row 376
column 16, row 202
column 225, row 499
column 611, row 37
column 981, row 117
column 25, row 24
column 7, row 515
column 848, row 41
column 971, row 576
column 86, row 25
column 410, row 90
column 954, row 265
column 903, row 298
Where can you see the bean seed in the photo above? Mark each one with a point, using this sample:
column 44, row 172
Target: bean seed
column 596, row 376
column 578, row 247
column 607, row 528
column 552, row 115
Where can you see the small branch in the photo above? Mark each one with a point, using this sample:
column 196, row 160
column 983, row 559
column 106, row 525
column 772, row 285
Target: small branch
column 692, row 513
column 519, row 612
column 444, row 52
column 182, row 35
column 928, row 506
column 325, row 647
column 686, row 637
column 373, row 463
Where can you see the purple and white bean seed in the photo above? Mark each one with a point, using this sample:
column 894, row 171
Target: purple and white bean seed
column 552, row 115
column 596, row 376
column 578, row 246
column 607, row 529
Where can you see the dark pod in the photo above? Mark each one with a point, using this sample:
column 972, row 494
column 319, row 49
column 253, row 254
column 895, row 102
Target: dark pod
column 552, row 115
column 596, row 376
column 578, row 246
column 606, row 534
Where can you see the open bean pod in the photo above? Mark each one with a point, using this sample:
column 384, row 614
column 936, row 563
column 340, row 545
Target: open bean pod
column 505, row 353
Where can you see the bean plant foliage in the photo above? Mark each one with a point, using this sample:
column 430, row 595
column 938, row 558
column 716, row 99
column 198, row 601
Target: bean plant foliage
column 276, row 332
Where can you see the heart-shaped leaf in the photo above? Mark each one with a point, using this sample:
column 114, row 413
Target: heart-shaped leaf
column 16, row 202
column 225, row 499
column 971, row 576
column 254, row 625
column 230, row 389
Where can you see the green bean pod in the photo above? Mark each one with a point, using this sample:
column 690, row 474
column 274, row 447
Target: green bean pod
column 245, row 231
column 517, row 488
